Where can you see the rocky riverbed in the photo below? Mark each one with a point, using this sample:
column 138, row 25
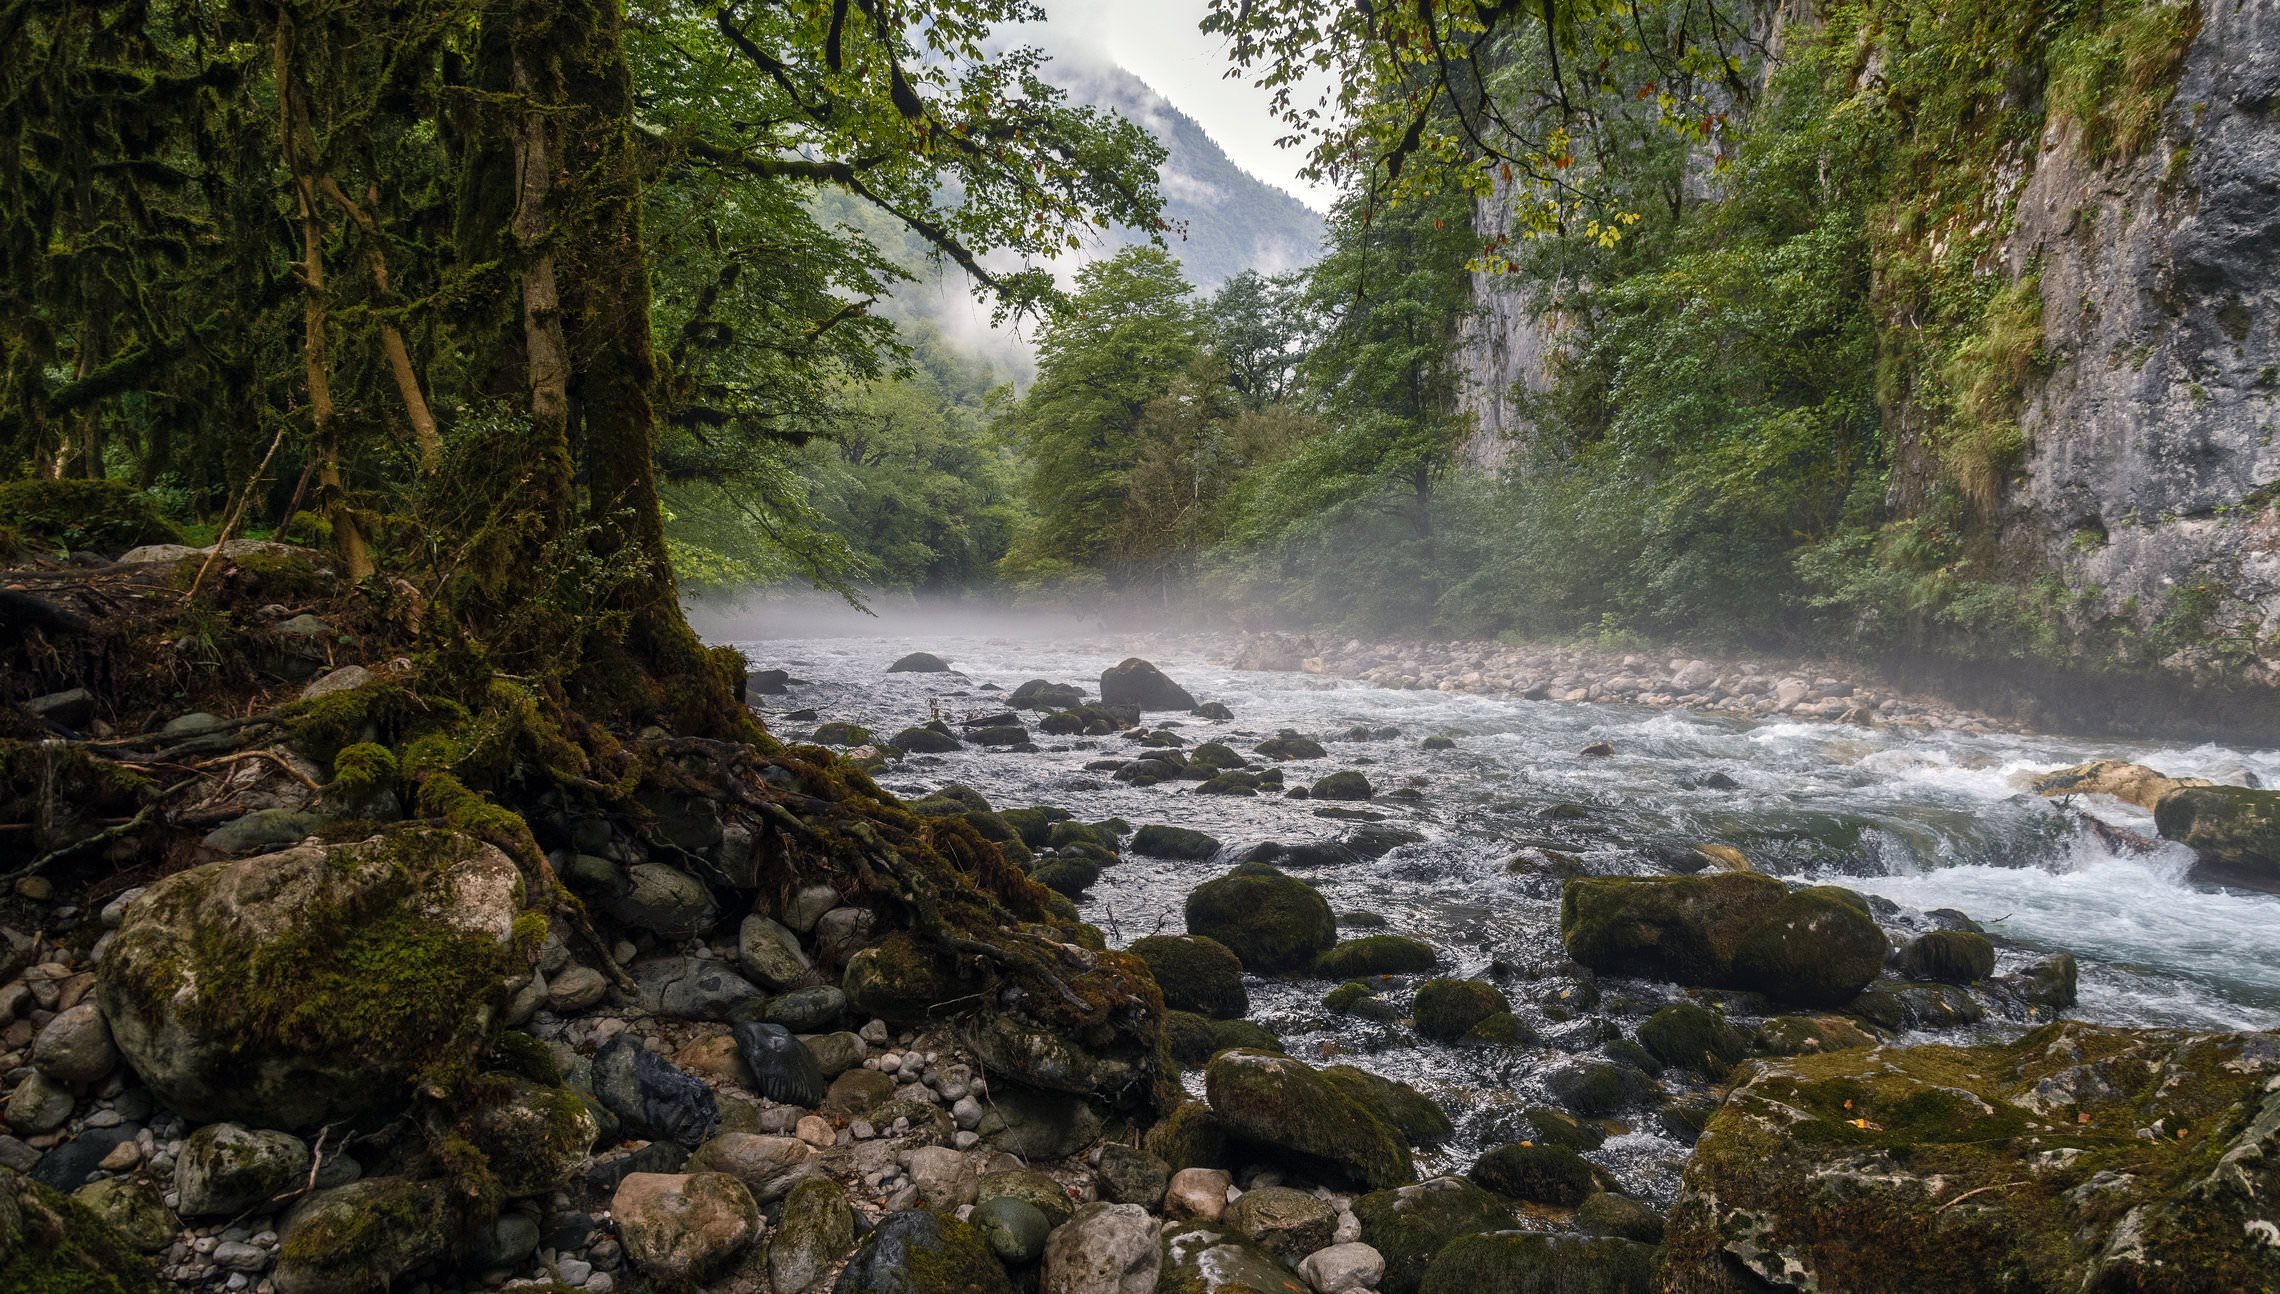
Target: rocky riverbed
column 1465, row 991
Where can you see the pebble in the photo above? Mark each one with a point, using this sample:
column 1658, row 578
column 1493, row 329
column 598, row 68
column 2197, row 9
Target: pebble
column 815, row 1130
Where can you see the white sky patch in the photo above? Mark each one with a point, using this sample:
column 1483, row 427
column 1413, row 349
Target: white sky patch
column 1158, row 41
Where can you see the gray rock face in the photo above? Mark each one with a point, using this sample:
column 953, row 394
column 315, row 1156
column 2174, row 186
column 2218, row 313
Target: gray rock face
column 1104, row 1249
column 688, row 988
column 770, row 954
column 663, row 899
column 75, row 1047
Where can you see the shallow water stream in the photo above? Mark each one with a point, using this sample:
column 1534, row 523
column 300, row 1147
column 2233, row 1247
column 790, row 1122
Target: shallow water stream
column 1926, row 819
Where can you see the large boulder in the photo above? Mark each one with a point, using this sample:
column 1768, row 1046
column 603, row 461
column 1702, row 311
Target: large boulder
column 312, row 986
column 1682, row 928
column 2075, row 1158
column 1205, row 1259
column 1270, row 920
column 920, row 662
column 1817, row 947
column 921, row 1252
column 50, row 1241
column 2229, row 827
column 1284, row 1106
column 1103, row 1249
column 1135, row 682
column 815, row 1231
column 1522, row 1262
column 1410, row 1225
column 358, row 1238
column 681, row 1227
column 1196, row 974
column 1447, row 1008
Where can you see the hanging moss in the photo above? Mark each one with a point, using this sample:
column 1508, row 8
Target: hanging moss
column 109, row 517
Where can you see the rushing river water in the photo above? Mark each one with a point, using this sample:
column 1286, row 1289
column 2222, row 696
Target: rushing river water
column 1926, row 819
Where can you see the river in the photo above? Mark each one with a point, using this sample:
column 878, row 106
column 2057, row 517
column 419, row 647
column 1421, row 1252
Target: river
column 1927, row 819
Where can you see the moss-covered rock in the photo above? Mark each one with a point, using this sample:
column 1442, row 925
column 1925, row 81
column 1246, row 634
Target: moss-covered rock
column 1532, row 1262
column 1410, row 1225
column 2229, row 827
column 1683, row 928
column 1067, row 876
column 1418, row 1117
column 1159, row 841
column 134, row 1208
column 1284, row 1106
column 1447, row 1008
column 918, row 1251
column 1811, row 1035
column 903, row 982
column 815, row 1230
column 1948, row 956
column 1609, row 1214
column 53, row 1244
column 1694, row 1038
column 531, row 1137
column 1538, row 1174
column 1345, row 784
column 358, row 1238
column 1188, row 1137
column 1284, row 1221
column 1559, row 1128
column 1376, row 955
column 315, row 985
column 1270, row 920
column 1196, row 974
column 1596, row 1088
column 1204, row 1259
column 2075, row 1158
column 1817, row 947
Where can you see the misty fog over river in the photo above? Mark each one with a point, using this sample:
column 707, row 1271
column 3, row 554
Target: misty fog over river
column 1926, row 819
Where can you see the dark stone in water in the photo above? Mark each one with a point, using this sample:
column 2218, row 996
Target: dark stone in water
column 1213, row 710
column 920, row 662
column 782, row 1067
column 1305, row 853
column 1038, row 694
column 651, row 1097
column 802, row 716
column 767, row 682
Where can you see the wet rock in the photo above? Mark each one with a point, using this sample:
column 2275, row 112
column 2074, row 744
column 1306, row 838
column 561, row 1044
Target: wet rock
column 1695, row 1039
column 924, row 741
column 919, row 662
column 1418, row 1117
column 51, row 1242
column 1552, row 1175
column 1279, row 1104
column 1900, row 1007
column 1287, row 1223
column 134, row 1209
column 68, row 1166
column 1346, row 784
column 1037, row 1189
column 1039, row 1125
column 1215, row 711
column 1135, row 682
column 1103, row 1249
column 1559, row 1128
column 694, row 988
column 841, row 734
column 312, row 985
column 1197, row 974
column 1270, row 921
column 1014, row 1229
column 1128, row 1175
column 2132, row 783
column 1817, row 947
column 1948, row 956
column 1683, row 928
column 1447, row 1008
column 2075, row 1157
column 1376, row 955
column 664, row 900
column 815, row 1231
column 1520, row 1262
column 1609, row 1214
column 1409, row 1225
column 684, row 1227
column 1038, row 694
column 1290, row 745
column 226, row 1167
column 1159, row 841
column 650, row 1097
column 1188, row 1137
column 782, row 1069
column 359, row 1238
column 2228, row 827
column 1596, row 1088
column 1067, row 876
column 1203, row 1259
column 921, row 1252
column 770, row 1167
column 1810, row 1035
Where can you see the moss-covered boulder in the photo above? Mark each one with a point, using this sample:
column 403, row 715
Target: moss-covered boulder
column 1270, row 920
column 1196, row 974
column 1416, row 1116
column 1205, row 1259
column 532, row 1137
column 53, row 1244
column 1948, row 956
column 813, row 1232
column 1159, row 841
column 1410, row 1225
column 1136, row 683
column 1817, row 947
column 1811, row 1035
column 1559, row 1128
column 2075, row 1158
column 315, row 985
column 1071, row 877
column 1694, row 1038
column 1683, row 928
column 1547, row 1174
column 358, row 1238
column 1533, row 1262
column 1596, row 1087
column 1446, row 1009
column 918, row 1251
column 903, row 981
column 1283, row 1106
column 1188, row 1137
column 1376, row 955
column 2229, row 827
column 1346, row 784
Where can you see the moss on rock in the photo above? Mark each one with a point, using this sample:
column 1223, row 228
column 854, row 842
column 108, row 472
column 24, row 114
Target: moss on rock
column 1527, row 1262
column 1415, row 1115
column 1948, row 956
column 2231, row 827
column 1410, row 1225
column 1817, row 947
column 1376, row 955
column 53, row 1244
column 1283, row 1105
column 1197, row 974
column 1271, row 921
column 1694, row 1038
column 1683, row 928
column 1447, row 1008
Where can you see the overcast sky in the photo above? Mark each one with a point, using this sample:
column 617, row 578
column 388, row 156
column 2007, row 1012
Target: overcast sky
column 1157, row 41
